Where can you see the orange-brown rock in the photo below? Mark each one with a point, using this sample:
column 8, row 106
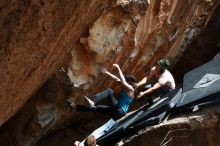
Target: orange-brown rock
column 136, row 39
column 39, row 37
column 36, row 38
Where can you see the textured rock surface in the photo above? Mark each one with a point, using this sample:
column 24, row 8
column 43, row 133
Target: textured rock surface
column 197, row 129
column 36, row 40
column 38, row 37
column 203, row 47
column 159, row 29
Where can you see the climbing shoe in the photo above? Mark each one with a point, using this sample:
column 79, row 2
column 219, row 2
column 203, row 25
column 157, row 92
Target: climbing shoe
column 70, row 104
column 90, row 103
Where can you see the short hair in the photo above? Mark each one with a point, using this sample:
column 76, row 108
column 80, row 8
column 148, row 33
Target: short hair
column 130, row 79
column 164, row 64
column 90, row 141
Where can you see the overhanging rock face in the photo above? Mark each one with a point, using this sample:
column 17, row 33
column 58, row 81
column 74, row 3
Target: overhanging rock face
column 37, row 38
column 135, row 34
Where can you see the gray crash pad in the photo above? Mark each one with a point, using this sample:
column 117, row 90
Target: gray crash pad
column 202, row 76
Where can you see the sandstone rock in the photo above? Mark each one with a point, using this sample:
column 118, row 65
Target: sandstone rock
column 37, row 38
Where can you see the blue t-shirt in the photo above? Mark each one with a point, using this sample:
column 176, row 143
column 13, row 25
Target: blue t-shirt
column 124, row 101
